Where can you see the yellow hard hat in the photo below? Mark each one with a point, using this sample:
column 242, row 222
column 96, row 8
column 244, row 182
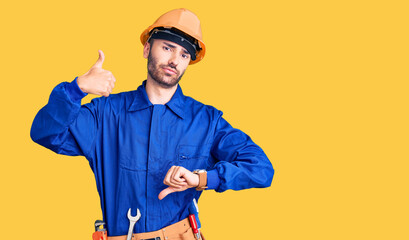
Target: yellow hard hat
column 183, row 20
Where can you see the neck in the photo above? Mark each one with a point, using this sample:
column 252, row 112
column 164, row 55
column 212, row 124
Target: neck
column 158, row 94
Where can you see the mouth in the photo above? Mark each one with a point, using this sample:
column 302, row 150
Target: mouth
column 169, row 71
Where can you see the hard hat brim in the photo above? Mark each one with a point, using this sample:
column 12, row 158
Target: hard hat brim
column 199, row 55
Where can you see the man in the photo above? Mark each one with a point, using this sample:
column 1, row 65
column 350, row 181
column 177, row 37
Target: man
column 151, row 149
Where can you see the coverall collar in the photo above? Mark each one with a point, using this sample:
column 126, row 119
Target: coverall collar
column 141, row 101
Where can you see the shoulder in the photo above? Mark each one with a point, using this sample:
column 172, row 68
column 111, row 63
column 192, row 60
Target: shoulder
column 118, row 98
column 197, row 108
column 114, row 102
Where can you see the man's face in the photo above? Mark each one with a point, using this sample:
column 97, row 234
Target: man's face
column 167, row 62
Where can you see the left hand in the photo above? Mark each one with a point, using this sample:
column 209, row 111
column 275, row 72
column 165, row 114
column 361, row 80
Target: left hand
column 178, row 179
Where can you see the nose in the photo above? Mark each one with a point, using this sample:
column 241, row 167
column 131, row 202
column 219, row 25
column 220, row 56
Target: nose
column 174, row 59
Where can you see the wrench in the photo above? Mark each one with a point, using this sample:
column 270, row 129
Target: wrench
column 132, row 221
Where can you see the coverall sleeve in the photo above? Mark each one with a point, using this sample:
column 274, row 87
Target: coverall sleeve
column 241, row 163
column 63, row 125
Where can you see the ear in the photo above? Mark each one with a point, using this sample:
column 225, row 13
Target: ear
column 146, row 49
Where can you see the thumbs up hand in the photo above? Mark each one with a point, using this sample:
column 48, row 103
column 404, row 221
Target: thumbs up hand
column 97, row 80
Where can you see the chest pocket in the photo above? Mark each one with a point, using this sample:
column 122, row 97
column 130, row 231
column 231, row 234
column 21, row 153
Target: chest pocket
column 194, row 157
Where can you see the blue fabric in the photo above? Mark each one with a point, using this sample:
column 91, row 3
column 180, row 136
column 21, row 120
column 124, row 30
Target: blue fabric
column 130, row 145
column 75, row 93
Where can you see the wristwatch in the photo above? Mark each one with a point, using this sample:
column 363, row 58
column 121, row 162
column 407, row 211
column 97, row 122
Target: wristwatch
column 202, row 179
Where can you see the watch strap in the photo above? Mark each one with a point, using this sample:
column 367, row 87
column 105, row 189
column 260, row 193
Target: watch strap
column 202, row 180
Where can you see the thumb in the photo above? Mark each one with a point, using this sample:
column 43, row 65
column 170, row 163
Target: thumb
column 165, row 192
column 100, row 60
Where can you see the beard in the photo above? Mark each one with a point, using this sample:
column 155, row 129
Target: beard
column 162, row 78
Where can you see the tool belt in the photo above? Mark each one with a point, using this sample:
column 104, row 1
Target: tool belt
column 177, row 231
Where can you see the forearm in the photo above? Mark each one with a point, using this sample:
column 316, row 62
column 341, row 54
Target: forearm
column 239, row 162
column 245, row 171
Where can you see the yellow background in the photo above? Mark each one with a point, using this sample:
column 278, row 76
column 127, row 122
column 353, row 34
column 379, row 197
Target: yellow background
column 321, row 86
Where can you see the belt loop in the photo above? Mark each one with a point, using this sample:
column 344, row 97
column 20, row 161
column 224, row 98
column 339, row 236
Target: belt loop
column 164, row 237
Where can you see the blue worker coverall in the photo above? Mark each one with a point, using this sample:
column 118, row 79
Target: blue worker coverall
column 131, row 143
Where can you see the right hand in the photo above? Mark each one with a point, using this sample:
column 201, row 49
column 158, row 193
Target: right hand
column 97, row 80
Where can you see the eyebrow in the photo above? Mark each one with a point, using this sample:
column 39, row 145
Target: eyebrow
column 173, row 46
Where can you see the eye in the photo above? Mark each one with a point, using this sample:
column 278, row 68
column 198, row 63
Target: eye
column 185, row 55
column 166, row 48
